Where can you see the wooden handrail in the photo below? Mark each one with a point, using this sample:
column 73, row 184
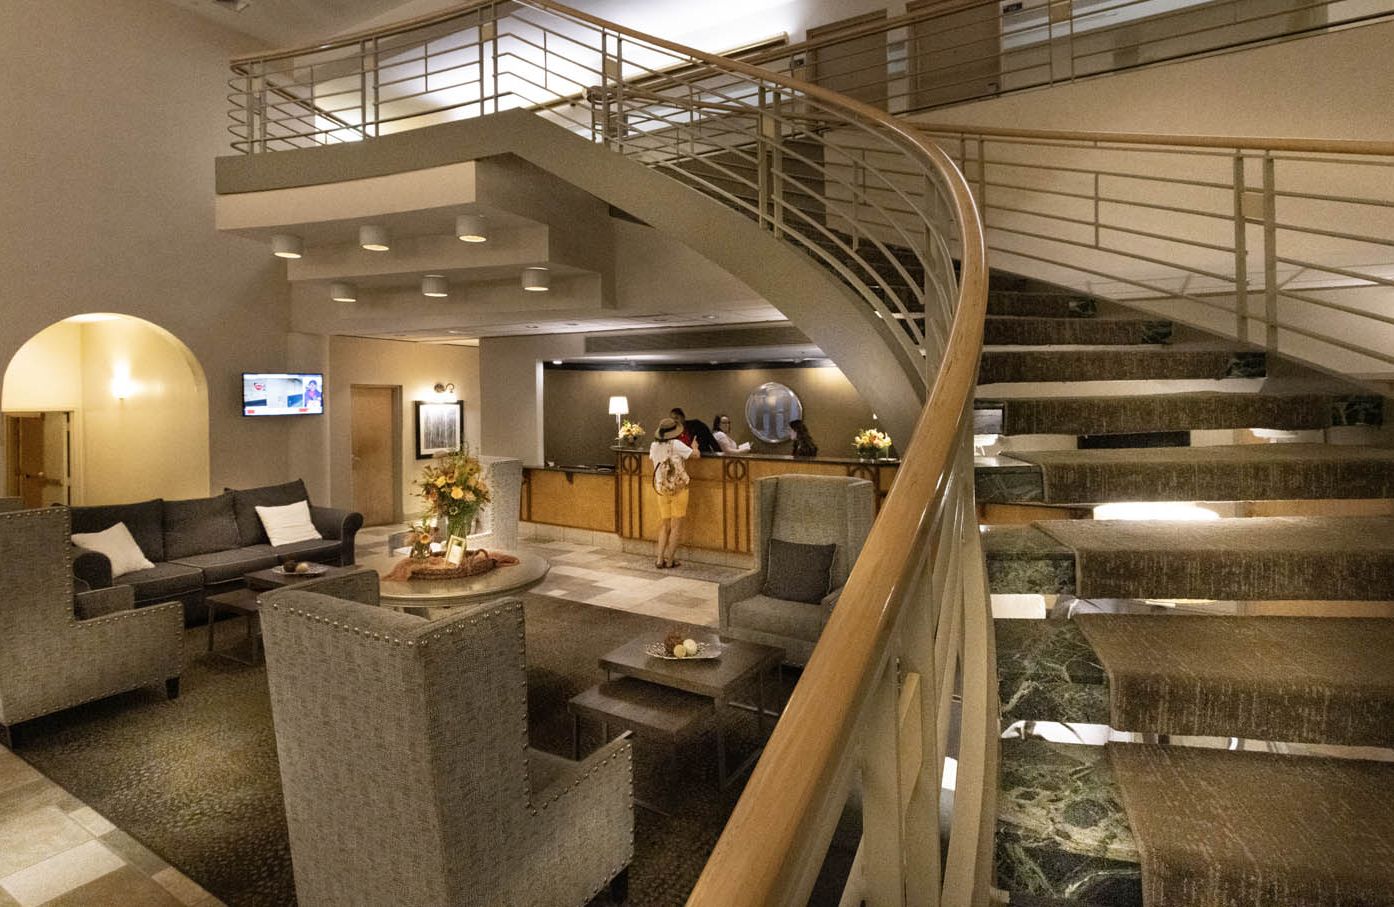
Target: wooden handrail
column 748, row 865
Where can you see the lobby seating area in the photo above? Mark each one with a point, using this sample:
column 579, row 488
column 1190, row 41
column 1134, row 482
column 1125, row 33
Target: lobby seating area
column 204, row 546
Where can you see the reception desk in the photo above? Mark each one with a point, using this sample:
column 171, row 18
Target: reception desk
column 719, row 514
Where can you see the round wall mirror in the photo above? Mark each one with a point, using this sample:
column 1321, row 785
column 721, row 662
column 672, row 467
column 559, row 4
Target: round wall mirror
column 769, row 409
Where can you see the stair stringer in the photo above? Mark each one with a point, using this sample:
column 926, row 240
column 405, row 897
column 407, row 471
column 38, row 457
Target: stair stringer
column 811, row 297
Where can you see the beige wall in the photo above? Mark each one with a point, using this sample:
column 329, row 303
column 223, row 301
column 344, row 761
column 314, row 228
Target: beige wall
column 578, row 430
column 153, row 443
column 414, row 368
column 112, row 122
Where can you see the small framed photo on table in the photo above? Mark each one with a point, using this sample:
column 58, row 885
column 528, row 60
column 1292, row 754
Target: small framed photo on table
column 439, row 427
column 455, row 551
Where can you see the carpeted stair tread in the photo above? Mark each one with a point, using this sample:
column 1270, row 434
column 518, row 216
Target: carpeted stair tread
column 1040, row 305
column 1024, row 559
column 1027, row 331
column 1061, row 829
column 1254, row 559
column 1252, row 829
column 1244, row 472
column 1292, row 679
column 1150, row 362
column 1175, row 412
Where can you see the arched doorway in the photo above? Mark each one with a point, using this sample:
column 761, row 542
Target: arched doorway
column 102, row 408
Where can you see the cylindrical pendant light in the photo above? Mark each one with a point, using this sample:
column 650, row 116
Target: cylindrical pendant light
column 374, row 238
column 287, row 245
column 537, row 280
column 471, row 228
column 434, row 285
column 343, row 292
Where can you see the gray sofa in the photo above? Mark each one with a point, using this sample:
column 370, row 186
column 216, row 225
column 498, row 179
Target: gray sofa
column 203, row 546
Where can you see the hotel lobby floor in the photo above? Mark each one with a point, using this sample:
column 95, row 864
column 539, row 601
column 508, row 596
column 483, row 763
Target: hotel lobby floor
column 55, row 850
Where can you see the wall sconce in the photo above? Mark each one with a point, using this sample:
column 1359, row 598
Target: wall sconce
column 618, row 407
column 287, row 245
column 444, row 389
column 435, row 286
column 470, row 228
column 122, row 386
column 343, row 292
column 537, row 280
column 374, row 238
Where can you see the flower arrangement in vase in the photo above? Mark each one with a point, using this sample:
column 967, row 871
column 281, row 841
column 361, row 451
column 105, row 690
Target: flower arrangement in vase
column 630, row 433
column 871, row 443
column 422, row 534
column 454, row 489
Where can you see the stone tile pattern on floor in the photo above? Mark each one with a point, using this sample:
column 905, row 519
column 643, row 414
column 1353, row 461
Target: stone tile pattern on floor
column 56, row 851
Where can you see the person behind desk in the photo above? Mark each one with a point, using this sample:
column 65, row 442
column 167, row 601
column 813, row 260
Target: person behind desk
column 722, row 424
column 804, row 445
column 695, row 432
column 670, row 479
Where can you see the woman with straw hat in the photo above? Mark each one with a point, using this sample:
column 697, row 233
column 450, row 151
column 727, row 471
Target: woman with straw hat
column 669, row 456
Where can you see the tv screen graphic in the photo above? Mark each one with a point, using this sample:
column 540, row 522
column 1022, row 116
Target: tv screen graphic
column 282, row 394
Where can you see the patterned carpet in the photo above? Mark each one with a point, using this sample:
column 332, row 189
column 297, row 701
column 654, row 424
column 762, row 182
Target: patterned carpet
column 196, row 780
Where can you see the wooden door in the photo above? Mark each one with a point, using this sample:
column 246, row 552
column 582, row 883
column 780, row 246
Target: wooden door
column 42, row 458
column 375, row 448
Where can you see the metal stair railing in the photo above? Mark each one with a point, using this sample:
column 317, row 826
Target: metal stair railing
column 900, row 692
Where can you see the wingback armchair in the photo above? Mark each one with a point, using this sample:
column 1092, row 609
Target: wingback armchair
column 405, row 765
column 808, row 510
column 58, row 649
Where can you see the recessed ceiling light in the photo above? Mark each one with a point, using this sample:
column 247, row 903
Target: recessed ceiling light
column 287, row 245
column 435, row 286
column 453, row 331
column 470, row 228
column 531, row 327
column 556, row 362
column 343, row 292
column 536, row 280
column 709, row 317
column 373, row 237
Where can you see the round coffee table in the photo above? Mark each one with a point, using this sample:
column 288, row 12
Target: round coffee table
column 415, row 596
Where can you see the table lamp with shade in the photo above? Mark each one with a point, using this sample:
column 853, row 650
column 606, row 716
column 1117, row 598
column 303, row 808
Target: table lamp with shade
column 618, row 407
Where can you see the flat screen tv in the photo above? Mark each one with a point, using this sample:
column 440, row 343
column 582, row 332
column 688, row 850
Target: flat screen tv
column 282, row 394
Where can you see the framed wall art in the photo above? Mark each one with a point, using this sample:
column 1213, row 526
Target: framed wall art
column 440, row 427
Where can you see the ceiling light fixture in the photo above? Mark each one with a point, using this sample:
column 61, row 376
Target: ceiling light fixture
column 343, row 292
column 443, row 388
column 435, row 286
column 470, row 228
column 537, row 280
column 287, row 245
column 374, row 238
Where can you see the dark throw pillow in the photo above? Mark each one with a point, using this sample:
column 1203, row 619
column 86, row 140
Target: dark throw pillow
column 247, row 500
column 798, row 573
column 199, row 526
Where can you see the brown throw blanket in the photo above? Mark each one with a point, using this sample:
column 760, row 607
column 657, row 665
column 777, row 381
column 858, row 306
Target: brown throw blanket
column 1247, row 829
column 1296, row 679
column 475, row 563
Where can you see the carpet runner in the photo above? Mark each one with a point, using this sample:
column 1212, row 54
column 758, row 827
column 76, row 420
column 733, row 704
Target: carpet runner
column 1246, row 829
column 1030, row 331
column 1245, row 472
column 1293, row 679
column 1251, row 559
column 1178, row 412
column 1117, row 364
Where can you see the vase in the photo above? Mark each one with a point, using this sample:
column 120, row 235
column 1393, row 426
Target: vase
column 460, row 523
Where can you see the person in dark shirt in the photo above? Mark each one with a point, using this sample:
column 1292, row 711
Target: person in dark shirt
column 804, row 445
column 695, row 433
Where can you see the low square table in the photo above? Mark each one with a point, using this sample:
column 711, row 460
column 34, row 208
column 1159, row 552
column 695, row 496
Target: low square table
column 628, row 703
column 241, row 602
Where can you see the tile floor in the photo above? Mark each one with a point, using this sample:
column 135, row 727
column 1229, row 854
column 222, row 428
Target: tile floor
column 57, row 852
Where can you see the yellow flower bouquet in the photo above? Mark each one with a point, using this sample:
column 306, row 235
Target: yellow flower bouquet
column 871, row 442
column 454, row 489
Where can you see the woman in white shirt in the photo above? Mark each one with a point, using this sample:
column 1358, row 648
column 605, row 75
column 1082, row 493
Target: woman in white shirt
column 669, row 456
column 720, row 424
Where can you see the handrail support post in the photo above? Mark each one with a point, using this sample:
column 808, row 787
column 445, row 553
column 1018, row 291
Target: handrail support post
column 1241, row 254
column 1270, row 254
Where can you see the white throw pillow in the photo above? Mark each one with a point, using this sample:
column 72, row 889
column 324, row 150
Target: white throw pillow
column 118, row 545
column 287, row 524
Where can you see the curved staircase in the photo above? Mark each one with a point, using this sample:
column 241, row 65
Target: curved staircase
column 1183, row 736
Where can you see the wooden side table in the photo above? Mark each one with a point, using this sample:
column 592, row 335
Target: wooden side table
column 243, row 603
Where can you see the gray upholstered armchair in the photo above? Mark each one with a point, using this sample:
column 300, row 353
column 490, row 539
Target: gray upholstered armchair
column 405, row 765
column 808, row 510
column 58, row 649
